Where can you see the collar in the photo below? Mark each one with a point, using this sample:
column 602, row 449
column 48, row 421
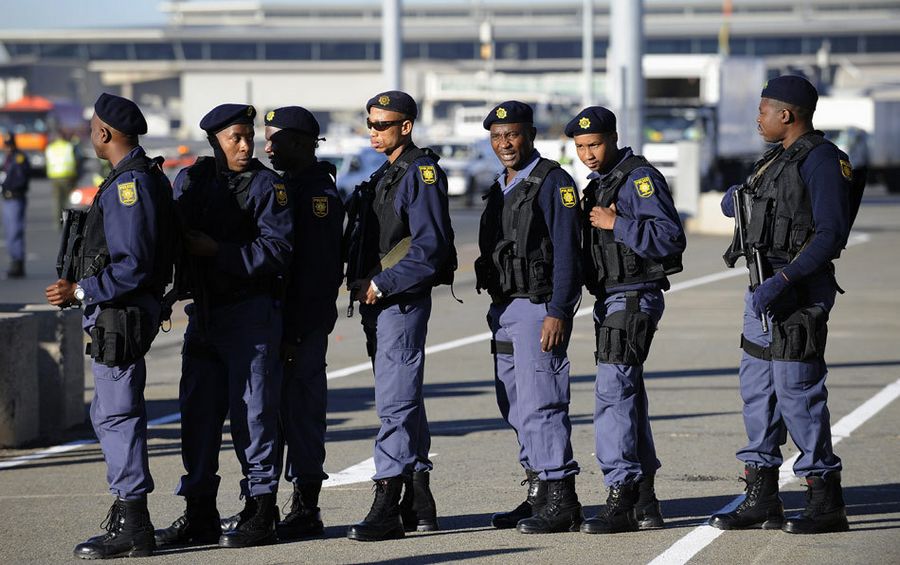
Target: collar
column 520, row 174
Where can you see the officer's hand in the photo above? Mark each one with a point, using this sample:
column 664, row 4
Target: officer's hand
column 371, row 297
column 61, row 293
column 552, row 333
column 727, row 203
column 766, row 293
column 360, row 289
column 198, row 243
column 603, row 218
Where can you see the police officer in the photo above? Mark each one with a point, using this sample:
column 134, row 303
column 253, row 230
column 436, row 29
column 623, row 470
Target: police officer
column 239, row 237
column 121, row 269
column 401, row 245
column 292, row 136
column 529, row 239
column 799, row 219
column 632, row 239
column 14, row 179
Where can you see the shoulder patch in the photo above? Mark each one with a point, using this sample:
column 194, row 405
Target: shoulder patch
column 644, row 187
column 320, row 206
column 846, row 169
column 128, row 193
column 20, row 158
column 567, row 195
column 429, row 176
column 280, row 194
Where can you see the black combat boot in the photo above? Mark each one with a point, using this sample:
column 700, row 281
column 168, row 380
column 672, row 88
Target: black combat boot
column 304, row 519
column 129, row 533
column 561, row 513
column 16, row 270
column 199, row 525
column 232, row 522
column 761, row 507
column 258, row 529
column 646, row 509
column 618, row 515
column 825, row 511
column 417, row 508
column 383, row 520
column 537, row 497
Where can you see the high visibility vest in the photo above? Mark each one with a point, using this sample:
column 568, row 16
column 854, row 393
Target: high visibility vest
column 60, row 157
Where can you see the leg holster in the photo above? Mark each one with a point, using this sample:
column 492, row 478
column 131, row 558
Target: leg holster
column 624, row 337
column 121, row 336
column 802, row 336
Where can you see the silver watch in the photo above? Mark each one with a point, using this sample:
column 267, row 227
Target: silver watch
column 79, row 293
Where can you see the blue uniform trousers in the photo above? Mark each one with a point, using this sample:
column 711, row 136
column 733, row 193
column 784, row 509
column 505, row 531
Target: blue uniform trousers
column 787, row 396
column 14, row 226
column 533, row 388
column 398, row 334
column 232, row 367
column 304, row 402
column 623, row 438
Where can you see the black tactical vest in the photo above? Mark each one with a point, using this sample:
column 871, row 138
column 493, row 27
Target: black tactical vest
column 516, row 251
column 608, row 263
column 781, row 220
column 93, row 254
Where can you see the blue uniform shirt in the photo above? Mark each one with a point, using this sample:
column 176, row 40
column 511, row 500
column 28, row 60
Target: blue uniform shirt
column 424, row 206
column 565, row 234
column 131, row 234
column 829, row 192
column 647, row 224
column 17, row 172
column 316, row 269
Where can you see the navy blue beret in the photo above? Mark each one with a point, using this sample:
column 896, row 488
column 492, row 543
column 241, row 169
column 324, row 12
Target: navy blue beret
column 395, row 101
column 593, row 119
column 294, row 118
column 509, row 112
column 225, row 115
column 120, row 114
column 792, row 89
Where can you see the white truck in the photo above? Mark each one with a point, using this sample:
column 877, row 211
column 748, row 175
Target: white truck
column 710, row 99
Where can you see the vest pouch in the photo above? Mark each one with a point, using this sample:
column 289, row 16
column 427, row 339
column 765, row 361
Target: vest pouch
column 504, row 257
column 781, row 230
column 802, row 336
column 485, row 274
column 759, row 230
column 800, row 231
column 631, row 262
column 613, row 261
column 597, row 260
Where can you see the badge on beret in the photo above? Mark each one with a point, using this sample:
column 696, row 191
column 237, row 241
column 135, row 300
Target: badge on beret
column 501, row 112
column 384, row 100
column 280, row 194
column 20, row 158
column 320, row 206
column 846, row 169
column 644, row 187
column 584, row 123
column 127, row 193
column 270, row 116
column 428, row 174
column 251, row 111
column 567, row 195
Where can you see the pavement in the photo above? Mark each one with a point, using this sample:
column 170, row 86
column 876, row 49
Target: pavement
column 53, row 495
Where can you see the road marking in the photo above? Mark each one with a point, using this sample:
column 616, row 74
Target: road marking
column 359, row 473
column 687, row 547
column 855, row 239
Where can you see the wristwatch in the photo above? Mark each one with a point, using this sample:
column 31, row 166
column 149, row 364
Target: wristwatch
column 79, row 293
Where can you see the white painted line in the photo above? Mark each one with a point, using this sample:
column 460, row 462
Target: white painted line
column 359, row 473
column 687, row 547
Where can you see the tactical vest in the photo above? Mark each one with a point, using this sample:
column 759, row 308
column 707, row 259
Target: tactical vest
column 93, row 253
column 781, row 220
column 516, row 250
column 608, row 263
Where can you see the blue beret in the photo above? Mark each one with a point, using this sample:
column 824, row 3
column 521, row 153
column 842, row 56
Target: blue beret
column 120, row 114
column 225, row 115
column 395, row 101
column 593, row 119
column 509, row 112
column 294, row 118
column 792, row 89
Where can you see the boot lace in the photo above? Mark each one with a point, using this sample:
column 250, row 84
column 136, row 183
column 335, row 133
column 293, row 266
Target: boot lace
column 113, row 521
column 752, row 492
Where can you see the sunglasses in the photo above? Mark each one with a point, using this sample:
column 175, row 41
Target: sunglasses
column 381, row 126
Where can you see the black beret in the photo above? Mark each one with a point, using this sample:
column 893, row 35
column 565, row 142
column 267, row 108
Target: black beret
column 792, row 89
column 509, row 112
column 295, row 118
column 593, row 119
column 395, row 101
column 120, row 114
column 225, row 115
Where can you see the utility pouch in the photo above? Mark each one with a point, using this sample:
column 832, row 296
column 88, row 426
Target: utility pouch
column 802, row 336
column 624, row 338
column 121, row 336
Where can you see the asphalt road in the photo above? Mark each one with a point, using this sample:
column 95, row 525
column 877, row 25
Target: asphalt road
column 55, row 500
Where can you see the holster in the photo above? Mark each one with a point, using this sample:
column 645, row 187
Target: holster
column 121, row 335
column 625, row 336
column 802, row 336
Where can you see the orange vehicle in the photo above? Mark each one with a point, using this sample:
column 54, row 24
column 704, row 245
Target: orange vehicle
column 33, row 119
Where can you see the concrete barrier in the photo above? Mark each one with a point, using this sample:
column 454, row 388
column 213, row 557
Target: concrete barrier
column 709, row 219
column 19, row 396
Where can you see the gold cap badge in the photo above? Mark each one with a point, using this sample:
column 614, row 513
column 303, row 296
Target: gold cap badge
column 270, row 116
column 584, row 123
column 501, row 112
column 384, row 100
